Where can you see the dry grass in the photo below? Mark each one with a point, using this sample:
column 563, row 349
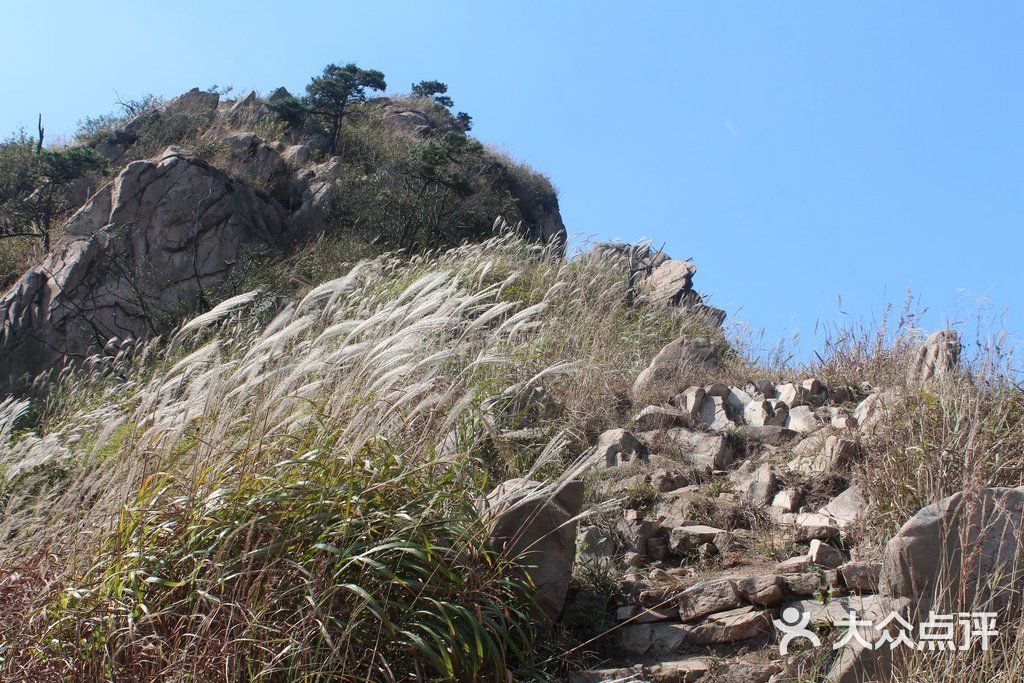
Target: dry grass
column 961, row 432
column 17, row 254
column 296, row 499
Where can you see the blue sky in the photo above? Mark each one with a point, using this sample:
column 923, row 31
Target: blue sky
column 798, row 152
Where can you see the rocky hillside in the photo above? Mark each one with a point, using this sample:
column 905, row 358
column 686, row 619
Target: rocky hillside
column 200, row 193
column 283, row 447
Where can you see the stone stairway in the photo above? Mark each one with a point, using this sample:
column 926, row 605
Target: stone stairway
column 736, row 510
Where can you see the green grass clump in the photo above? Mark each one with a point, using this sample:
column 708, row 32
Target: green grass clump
column 320, row 568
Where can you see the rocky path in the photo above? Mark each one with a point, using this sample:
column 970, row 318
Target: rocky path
column 737, row 506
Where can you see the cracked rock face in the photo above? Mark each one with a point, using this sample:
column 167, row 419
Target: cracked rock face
column 146, row 245
column 938, row 357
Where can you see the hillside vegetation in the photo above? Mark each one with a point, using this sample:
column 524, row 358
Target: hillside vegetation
column 297, row 495
column 403, row 172
column 291, row 460
column 291, row 489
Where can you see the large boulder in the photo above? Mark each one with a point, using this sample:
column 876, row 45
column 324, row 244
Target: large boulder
column 259, row 166
column 670, row 282
column 964, row 553
column 542, row 219
column 717, row 451
column 614, row 447
column 835, row 454
column 321, row 189
column 680, row 364
column 147, row 247
column 412, row 122
column 194, row 102
column 847, row 508
column 759, row 486
column 534, row 525
column 938, row 357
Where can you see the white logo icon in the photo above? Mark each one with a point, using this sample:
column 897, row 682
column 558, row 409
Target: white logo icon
column 794, row 625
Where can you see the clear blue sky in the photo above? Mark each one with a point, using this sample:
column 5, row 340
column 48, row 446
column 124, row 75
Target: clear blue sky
column 796, row 151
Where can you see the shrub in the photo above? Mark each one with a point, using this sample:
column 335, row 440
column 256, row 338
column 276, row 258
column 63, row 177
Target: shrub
column 322, row 551
column 93, row 129
column 34, row 185
column 16, row 254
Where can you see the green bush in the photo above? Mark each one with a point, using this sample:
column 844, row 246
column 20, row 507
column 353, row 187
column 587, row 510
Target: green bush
column 358, row 566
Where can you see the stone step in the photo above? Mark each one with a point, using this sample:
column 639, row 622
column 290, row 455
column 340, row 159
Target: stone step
column 721, row 628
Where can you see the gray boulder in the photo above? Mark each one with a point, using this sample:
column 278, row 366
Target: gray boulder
column 660, row 417
column 685, row 538
column 846, row 508
column 766, row 412
column 614, row 447
column 825, row 555
column 793, row 395
column 715, row 450
column 678, row 365
column 938, row 357
column 964, row 553
column 534, row 526
column 708, row 597
column 876, row 409
column 670, row 281
column 861, row 577
column 412, row 122
column 690, row 402
column 833, row 455
column 260, row 166
column 194, row 102
column 713, row 413
column 802, row 419
column 149, row 244
column 741, row 623
column 770, row 435
column 321, row 193
column 763, row 591
column 760, row 486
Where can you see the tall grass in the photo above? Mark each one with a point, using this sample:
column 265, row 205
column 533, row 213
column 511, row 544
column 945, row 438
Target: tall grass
column 292, row 492
column 960, row 432
column 296, row 497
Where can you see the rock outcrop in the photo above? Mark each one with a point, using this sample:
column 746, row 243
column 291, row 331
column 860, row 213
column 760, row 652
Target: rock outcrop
column 938, row 357
column 534, row 526
column 146, row 247
column 964, row 553
column 261, row 166
column 657, row 278
column 675, row 367
column 712, row 482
